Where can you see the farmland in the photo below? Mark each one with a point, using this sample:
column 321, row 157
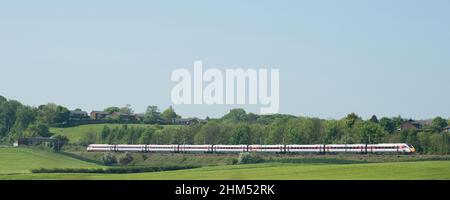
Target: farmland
column 278, row 171
column 17, row 163
column 22, row 160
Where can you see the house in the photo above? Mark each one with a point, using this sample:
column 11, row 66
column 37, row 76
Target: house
column 76, row 115
column 411, row 125
column 415, row 124
column 188, row 121
column 34, row 140
column 447, row 129
column 99, row 115
column 123, row 116
column 182, row 121
column 139, row 117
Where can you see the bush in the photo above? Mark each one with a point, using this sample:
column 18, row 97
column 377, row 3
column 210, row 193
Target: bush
column 109, row 159
column 113, row 170
column 125, row 159
column 249, row 158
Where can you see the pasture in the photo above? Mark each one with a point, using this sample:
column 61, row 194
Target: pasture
column 17, row 163
column 22, row 160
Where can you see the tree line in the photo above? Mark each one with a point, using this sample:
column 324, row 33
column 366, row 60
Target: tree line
column 22, row 121
column 239, row 127
column 236, row 127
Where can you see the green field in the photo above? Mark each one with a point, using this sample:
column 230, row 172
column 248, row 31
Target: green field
column 22, row 160
column 16, row 163
column 76, row 132
column 427, row 170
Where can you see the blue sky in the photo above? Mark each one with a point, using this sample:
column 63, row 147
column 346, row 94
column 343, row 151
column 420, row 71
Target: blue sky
column 379, row 57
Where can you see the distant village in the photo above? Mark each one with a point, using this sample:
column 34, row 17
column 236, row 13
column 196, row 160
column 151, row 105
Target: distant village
column 418, row 125
column 82, row 117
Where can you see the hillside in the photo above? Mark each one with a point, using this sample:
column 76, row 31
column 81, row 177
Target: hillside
column 76, row 132
column 22, row 160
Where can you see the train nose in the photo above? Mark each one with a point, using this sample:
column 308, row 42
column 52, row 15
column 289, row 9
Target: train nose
column 413, row 150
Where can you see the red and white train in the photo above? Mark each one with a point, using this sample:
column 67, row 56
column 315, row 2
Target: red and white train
column 400, row 148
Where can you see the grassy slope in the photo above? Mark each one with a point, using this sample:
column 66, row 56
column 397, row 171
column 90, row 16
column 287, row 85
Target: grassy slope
column 278, row 171
column 22, row 160
column 160, row 159
column 75, row 133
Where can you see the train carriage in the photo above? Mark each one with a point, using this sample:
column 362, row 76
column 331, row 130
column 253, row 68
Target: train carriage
column 304, row 148
column 230, row 148
column 195, row 148
column 266, row 148
column 131, row 148
column 101, row 147
column 162, row 148
column 356, row 148
column 345, row 148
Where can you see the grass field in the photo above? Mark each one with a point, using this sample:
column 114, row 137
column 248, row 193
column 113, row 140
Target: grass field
column 75, row 133
column 428, row 170
column 22, row 160
column 16, row 163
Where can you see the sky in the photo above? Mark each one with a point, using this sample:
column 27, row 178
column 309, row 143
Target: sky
column 380, row 57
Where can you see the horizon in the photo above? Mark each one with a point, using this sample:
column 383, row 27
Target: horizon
column 162, row 109
column 334, row 58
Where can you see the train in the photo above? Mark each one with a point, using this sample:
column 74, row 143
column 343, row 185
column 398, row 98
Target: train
column 396, row 148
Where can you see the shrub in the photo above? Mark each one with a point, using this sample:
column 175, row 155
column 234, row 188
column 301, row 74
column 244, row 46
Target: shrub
column 109, row 159
column 113, row 170
column 249, row 158
column 125, row 159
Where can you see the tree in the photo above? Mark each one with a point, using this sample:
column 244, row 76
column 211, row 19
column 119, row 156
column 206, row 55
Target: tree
column 209, row 133
column 333, row 132
column 125, row 159
column 351, row 119
column 60, row 141
column 251, row 117
column 8, row 110
column 2, row 99
column 62, row 115
column 241, row 135
column 24, row 117
column 438, row 124
column 152, row 115
column 372, row 133
column 235, row 116
column 424, row 142
column 46, row 113
column 109, row 159
column 437, row 143
column 374, row 119
column 277, row 133
column 112, row 109
column 398, row 121
column 104, row 135
column 147, row 135
column 412, row 138
column 52, row 114
column 36, row 130
column 126, row 110
column 89, row 137
column 387, row 124
column 169, row 115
